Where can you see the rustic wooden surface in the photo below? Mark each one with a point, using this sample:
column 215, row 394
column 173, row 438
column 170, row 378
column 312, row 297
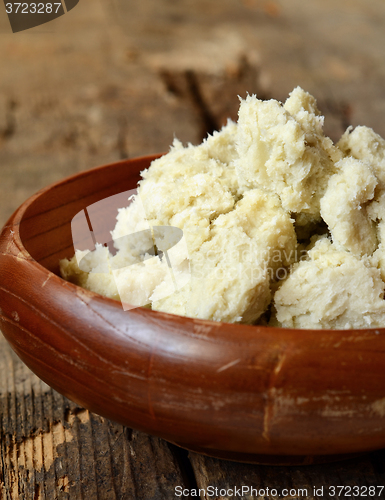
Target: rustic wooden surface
column 118, row 79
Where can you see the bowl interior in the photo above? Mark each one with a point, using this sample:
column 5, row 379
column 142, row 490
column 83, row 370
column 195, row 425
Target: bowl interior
column 45, row 227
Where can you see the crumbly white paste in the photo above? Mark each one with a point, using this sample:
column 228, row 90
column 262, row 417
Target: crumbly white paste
column 333, row 289
column 242, row 199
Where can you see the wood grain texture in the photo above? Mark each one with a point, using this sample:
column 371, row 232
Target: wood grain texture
column 50, row 448
column 360, row 472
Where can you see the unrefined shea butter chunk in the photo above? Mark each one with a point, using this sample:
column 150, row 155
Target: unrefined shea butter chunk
column 333, row 289
column 344, row 207
column 283, row 152
column 189, row 187
column 364, row 144
column 232, row 271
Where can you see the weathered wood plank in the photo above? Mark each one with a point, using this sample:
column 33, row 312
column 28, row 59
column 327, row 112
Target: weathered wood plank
column 51, row 448
column 306, row 482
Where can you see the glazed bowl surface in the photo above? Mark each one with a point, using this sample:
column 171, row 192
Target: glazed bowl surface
column 249, row 393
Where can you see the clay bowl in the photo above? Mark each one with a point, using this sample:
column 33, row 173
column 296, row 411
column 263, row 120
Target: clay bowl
column 246, row 393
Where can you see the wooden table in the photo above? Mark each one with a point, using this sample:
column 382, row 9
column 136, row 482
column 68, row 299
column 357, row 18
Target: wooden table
column 118, row 79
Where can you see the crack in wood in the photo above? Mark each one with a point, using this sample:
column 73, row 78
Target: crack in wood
column 214, row 98
column 121, row 142
column 186, row 86
column 2, row 464
column 207, row 120
column 340, row 110
column 10, row 121
column 38, row 495
column 182, row 458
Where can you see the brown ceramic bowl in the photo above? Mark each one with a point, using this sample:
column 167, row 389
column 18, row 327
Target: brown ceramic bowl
column 247, row 393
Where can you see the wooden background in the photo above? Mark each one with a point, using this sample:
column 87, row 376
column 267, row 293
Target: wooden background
column 117, row 78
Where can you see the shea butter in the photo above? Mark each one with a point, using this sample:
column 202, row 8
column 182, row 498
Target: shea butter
column 280, row 226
